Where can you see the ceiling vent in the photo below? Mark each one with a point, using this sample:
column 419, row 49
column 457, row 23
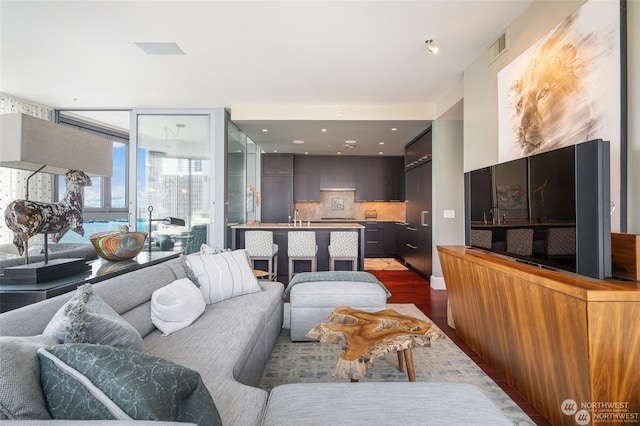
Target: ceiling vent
column 159, row 48
column 497, row 48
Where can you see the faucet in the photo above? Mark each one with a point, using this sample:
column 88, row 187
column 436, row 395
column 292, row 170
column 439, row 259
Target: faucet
column 495, row 215
column 296, row 213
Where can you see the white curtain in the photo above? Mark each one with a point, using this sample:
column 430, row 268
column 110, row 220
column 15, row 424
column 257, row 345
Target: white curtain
column 13, row 182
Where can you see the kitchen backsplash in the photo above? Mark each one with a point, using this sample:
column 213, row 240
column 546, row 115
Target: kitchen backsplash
column 342, row 205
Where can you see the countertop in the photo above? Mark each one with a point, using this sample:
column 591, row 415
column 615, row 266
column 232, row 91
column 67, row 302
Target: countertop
column 305, row 225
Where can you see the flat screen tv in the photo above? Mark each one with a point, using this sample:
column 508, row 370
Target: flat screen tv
column 550, row 209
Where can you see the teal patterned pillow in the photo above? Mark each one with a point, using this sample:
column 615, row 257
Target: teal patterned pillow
column 96, row 382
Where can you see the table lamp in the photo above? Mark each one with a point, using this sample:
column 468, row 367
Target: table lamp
column 30, row 143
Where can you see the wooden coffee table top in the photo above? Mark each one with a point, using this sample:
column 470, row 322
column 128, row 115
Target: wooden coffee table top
column 367, row 335
column 260, row 274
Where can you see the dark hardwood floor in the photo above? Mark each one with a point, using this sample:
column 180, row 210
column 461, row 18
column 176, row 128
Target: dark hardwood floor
column 410, row 287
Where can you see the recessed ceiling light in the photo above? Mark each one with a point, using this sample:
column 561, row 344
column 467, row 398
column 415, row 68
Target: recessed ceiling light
column 275, row 150
column 306, row 152
column 159, row 48
column 432, row 47
column 339, row 153
column 380, row 152
column 393, row 129
column 265, row 130
column 323, row 130
column 381, row 143
column 350, row 142
column 298, row 142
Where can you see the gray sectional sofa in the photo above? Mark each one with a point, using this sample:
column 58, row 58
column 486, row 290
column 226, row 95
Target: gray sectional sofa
column 229, row 345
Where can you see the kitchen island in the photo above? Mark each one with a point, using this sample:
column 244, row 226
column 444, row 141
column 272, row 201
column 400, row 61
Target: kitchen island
column 280, row 234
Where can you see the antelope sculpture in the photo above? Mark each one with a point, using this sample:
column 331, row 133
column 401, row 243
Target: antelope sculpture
column 28, row 218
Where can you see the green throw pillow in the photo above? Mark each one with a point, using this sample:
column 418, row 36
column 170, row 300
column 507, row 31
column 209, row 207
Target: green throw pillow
column 95, row 382
column 86, row 318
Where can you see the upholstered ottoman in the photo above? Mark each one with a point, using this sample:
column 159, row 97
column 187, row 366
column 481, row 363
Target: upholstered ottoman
column 381, row 403
column 313, row 295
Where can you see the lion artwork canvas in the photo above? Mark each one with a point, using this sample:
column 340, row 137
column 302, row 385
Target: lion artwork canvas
column 565, row 89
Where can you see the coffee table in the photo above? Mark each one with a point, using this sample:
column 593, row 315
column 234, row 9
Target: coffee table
column 365, row 336
column 260, row 274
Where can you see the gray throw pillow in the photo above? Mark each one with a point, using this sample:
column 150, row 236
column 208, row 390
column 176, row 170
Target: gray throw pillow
column 95, row 382
column 86, row 318
column 188, row 270
column 20, row 394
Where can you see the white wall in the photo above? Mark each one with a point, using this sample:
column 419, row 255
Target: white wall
column 481, row 103
column 481, row 79
column 447, row 187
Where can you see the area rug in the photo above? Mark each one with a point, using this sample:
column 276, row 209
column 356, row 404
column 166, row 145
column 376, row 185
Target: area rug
column 306, row 362
column 383, row 264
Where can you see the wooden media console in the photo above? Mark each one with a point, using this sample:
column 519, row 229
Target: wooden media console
column 553, row 336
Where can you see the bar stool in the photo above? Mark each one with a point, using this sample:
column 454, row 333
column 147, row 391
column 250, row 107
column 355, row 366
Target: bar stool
column 260, row 246
column 302, row 246
column 561, row 242
column 520, row 241
column 343, row 246
column 481, row 238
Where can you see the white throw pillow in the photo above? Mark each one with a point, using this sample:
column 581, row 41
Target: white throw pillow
column 209, row 249
column 223, row 276
column 176, row 306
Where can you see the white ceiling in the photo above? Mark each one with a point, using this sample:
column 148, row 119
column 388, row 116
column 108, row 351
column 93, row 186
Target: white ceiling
column 257, row 57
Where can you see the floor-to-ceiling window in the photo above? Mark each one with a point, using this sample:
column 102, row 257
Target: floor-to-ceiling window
column 173, row 178
column 163, row 160
column 106, row 201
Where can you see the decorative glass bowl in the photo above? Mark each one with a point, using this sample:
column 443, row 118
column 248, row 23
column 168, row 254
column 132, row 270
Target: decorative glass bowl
column 117, row 245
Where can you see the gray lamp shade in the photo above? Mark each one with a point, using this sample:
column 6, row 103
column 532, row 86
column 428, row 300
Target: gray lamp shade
column 28, row 143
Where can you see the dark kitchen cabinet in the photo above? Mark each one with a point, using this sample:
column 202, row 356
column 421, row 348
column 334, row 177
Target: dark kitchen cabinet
column 418, row 151
column 373, row 239
column 373, row 178
column 277, row 188
column 402, row 249
column 379, row 178
column 390, row 243
column 306, row 172
column 276, row 199
column 277, row 165
column 337, row 173
column 417, row 234
column 380, row 239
